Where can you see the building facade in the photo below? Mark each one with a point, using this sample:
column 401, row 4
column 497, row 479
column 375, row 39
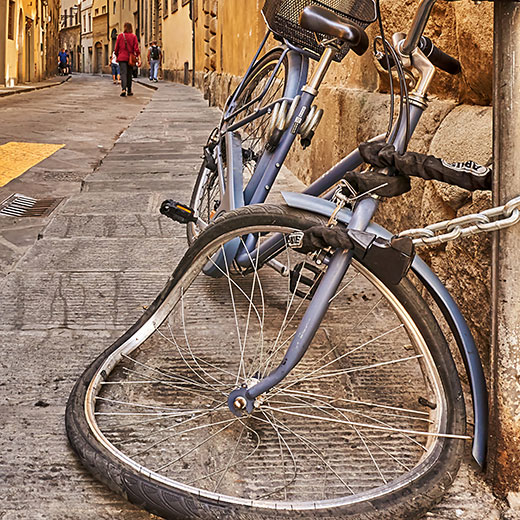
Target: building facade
column 177, row 41
column 122, row 11
column 70, row 31
column 100, row 32
column 149, row 25
column 28, row 40
column 86, row 36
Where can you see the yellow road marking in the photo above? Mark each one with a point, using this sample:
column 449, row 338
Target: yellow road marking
column 17, row 158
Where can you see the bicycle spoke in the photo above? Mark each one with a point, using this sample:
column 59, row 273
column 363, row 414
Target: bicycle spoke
column 281, row 440
column 178, row 379
column 308, row 375
column 173, row 427
column 369, row 426
column 228, row 423
column 197, row 358
column 372, row 405
column 344, row 413
column 314, row 449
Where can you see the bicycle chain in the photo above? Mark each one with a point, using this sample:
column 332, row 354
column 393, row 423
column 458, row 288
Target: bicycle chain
column 491, row 219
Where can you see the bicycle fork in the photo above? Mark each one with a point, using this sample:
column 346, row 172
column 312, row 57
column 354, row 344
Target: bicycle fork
column 243, row 399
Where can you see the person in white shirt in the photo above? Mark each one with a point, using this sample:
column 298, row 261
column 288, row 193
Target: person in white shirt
column 116, row 74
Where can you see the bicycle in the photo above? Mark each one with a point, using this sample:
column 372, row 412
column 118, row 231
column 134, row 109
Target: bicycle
column 368, row 421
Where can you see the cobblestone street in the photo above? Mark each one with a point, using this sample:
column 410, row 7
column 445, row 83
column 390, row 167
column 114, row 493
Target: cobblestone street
column 79, row 278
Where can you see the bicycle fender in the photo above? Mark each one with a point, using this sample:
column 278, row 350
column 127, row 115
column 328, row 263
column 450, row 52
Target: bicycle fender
column 233, row 198
column 447, row 306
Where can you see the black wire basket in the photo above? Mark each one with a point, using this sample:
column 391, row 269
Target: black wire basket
column 282, row 18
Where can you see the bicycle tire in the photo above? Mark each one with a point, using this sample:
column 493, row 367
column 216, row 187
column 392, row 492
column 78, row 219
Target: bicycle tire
column 426, row 386
column 206, row 191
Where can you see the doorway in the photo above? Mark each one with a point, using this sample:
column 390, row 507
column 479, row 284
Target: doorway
column 20, row 61
column 29, row 51
column 98, row 59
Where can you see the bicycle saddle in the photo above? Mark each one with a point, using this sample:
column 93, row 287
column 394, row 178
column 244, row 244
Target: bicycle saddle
column 321, row 20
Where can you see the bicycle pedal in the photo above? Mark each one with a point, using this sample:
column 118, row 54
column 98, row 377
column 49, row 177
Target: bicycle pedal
column 178, row 212
column 312, row 280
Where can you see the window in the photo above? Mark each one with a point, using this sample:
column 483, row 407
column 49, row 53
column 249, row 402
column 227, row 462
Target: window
column 96, row 12
column 165, row 8
column 104, row 9
column 123, row 4
column 84, row 23
column 64, row 22
column 77, row 17
column 10, row 29
column 89, row 22
column 114, row 8
column 184, row 2
column 175, row 5
column 106, row 54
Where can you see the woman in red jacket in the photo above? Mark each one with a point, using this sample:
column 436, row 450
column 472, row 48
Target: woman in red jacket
column 126, row 45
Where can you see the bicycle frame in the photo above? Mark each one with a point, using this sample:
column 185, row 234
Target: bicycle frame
column 256, row 192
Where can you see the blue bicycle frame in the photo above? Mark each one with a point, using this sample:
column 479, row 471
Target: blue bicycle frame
column 256, row 192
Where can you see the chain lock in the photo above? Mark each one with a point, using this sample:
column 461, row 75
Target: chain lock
column 492, row 219
column 281, row 117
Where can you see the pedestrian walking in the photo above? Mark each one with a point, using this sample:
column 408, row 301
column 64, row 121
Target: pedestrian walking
column 116, row 73
column 154, row 60
column 63, row 61
column 69, row 62
column 128, row 56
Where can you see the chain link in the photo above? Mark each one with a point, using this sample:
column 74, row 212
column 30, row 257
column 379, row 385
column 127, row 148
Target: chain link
column 491, row 219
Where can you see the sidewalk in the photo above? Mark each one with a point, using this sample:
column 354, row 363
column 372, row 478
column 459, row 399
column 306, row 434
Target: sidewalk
column 28, row 87
column 104, row 256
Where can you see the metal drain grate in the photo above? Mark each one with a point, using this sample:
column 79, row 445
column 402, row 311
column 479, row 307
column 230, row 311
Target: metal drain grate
column 18, row 205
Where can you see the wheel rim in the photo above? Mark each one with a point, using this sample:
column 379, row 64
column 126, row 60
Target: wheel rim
column 326, row 422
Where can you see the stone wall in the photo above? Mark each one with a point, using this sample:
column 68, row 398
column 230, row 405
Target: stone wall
column 456, row 126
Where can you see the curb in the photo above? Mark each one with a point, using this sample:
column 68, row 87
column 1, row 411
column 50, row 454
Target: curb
column 32, row 89
column 147, row 85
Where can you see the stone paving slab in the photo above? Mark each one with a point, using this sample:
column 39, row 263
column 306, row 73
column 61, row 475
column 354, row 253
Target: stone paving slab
column 47, row 481
column 169, row 188
column 115, row 204
column 101, row 254
column 87, row 301
column 127, row 171
column 37, row 85
column 76, row 122
column 114, row 226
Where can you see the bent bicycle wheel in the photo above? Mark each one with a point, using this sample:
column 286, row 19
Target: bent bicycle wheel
column 259, row 90
column 369, row 424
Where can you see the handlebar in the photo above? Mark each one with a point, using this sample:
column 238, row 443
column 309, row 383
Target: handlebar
column 439, row 58
column 419, row 23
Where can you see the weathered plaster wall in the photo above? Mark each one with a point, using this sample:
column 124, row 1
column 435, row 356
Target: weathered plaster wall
column 456, row 126
column 176, row 39
column 29, row 52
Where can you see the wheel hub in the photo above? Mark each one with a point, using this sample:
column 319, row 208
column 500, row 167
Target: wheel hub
column 239, row 400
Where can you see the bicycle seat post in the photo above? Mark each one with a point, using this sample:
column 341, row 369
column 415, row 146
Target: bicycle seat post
column 321, row 70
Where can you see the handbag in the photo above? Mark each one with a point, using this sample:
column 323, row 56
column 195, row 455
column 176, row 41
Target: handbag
column 132, row 60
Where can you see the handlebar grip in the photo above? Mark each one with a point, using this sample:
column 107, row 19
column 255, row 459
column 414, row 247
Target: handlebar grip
column 439, row 58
